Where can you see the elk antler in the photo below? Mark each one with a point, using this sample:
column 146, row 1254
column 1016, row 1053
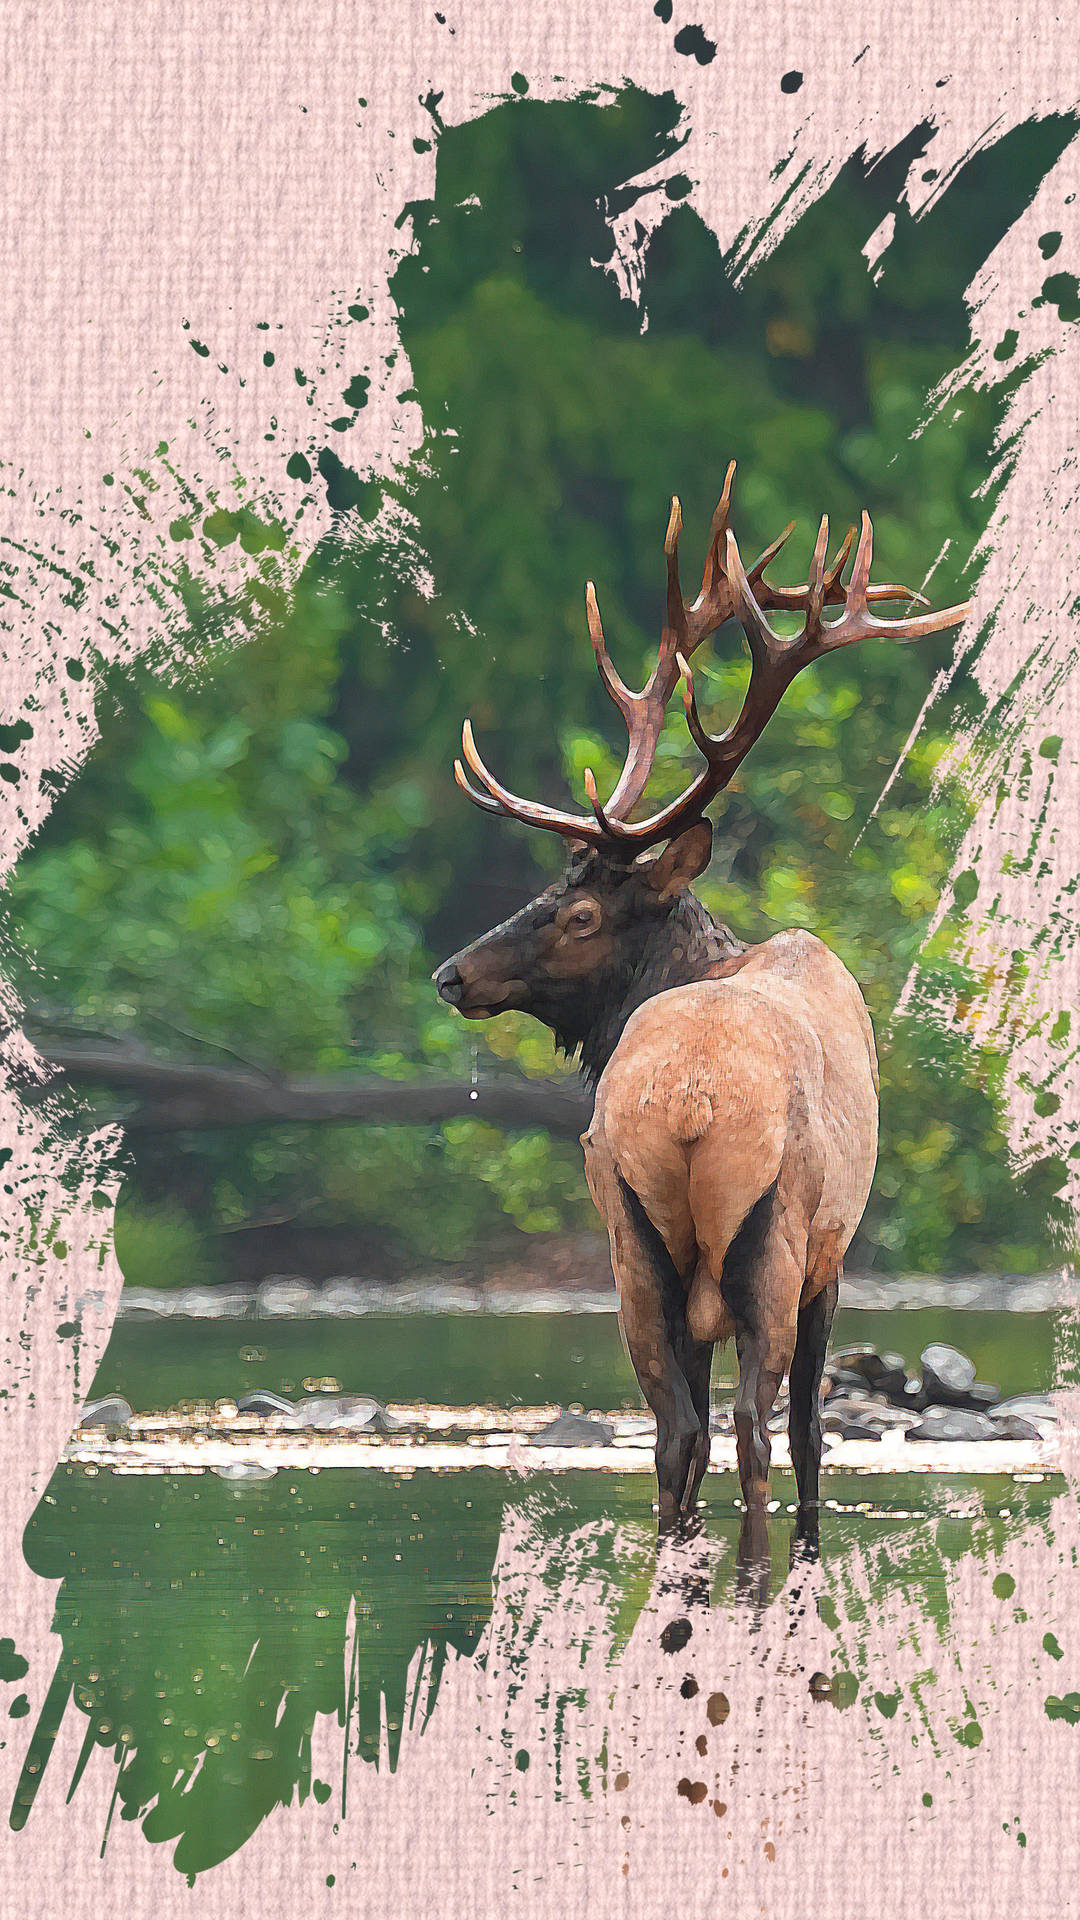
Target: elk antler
column 727, row 591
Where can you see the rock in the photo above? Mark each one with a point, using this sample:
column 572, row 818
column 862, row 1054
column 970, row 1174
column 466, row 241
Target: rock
column 888, row 1419
column 848, row 1379
column 1015, row 1427
column 261, row 1400
column 145, row 1303
column 213, row 1303
column 948, row 1375
column 343, row 1298
column 574, row 1430
column 849, row 1425
column 983, row 1396
column 244, row 1470
column 349, row 1412
column 1029, row 1406
column 285, row 1297
column 881, row 1372
column 953, row 1423
column 113, row 1411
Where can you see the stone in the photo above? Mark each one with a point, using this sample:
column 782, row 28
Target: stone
column 1033, row 1407
column 1015, row 1427
column 849, row 1425
column 261, row 1400
column 244, row 1470
column 888, row 1419
column 953, row 1423
column 343, row 1298
column 145, row 1303
column 213, row 1303
column 113, row 1411
column 948, row 1375
column 983, row 1396
column 350, row 1412
column 847, row 1378
column 574, row 1430
column 285, row 1297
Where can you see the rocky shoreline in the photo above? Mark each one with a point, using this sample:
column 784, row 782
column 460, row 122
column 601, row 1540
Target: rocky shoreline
column 866, row 1396
column 293, row 1297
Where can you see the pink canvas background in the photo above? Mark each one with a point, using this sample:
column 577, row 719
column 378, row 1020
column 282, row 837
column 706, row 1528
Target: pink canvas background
column 164, row 164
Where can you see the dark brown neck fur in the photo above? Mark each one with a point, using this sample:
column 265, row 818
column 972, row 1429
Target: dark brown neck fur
column 682, row 947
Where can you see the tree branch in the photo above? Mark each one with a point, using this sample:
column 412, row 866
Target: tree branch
column 172, row 1094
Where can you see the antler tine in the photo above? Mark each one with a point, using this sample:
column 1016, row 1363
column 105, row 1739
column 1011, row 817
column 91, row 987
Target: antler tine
column 717, row 531
column 498, row 799
column 614, row 684
column 675, row 632
column 727, row 591
column 774, row 662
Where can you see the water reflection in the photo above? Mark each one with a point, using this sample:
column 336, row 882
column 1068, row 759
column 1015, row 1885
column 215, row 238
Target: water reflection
column 205, row 1623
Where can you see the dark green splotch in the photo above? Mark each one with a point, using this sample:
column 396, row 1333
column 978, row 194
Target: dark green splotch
column 1063, row 1707
column 1061, row 290
column 12, row 1664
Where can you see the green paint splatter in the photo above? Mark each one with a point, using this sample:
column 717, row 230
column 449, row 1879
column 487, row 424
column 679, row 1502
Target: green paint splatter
column 356, row 393
column 19, row 1707
column 845, row 1689
column 10, row 737
column 1051, row 1647
column 322, row 1791
column 1051, row 747
column 345, row 491
column 965, row 887
column 1049, row 244
column 1007, row 345
column 1004, row 1586
column 1063, row 292
column 970, row 1735
column 928, row 1799
column 1063, row 1707
column 12, row 1664
column 521, row 1760
column 297, row 467
column 887, row 1703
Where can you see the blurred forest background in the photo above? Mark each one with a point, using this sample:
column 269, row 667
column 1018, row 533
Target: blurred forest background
column 258, row 867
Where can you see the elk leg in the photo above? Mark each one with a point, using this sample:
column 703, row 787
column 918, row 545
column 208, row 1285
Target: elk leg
column 804, row 1422
column 759, row 1383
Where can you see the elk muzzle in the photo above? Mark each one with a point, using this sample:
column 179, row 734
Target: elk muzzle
column 479, row 982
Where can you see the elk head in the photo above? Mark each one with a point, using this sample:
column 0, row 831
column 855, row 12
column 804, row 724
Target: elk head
column 620, row 923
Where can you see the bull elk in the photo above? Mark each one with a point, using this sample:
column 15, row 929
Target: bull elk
column 734, row 1133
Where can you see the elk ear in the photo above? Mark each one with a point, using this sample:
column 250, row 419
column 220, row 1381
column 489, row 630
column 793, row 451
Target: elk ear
column 681, row 861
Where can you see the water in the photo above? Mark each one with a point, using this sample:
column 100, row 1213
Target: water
column 515, row 1359
column 204, row 1624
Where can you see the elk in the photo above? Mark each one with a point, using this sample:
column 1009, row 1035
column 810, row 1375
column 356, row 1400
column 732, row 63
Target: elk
column 734, row 1131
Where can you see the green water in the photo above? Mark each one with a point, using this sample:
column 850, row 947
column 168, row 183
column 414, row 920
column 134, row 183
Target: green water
column 497, row 1359
column 203, row 1625
column 205, row 1619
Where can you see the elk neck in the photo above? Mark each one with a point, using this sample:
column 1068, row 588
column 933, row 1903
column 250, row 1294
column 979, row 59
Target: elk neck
column 676, row 950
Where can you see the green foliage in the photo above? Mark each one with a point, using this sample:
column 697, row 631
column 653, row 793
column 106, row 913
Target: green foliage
column 269, row 861
column 161, row 1246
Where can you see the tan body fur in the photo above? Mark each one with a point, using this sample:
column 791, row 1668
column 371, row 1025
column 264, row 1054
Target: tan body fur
column 764, row 1075
column 718, row 1089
